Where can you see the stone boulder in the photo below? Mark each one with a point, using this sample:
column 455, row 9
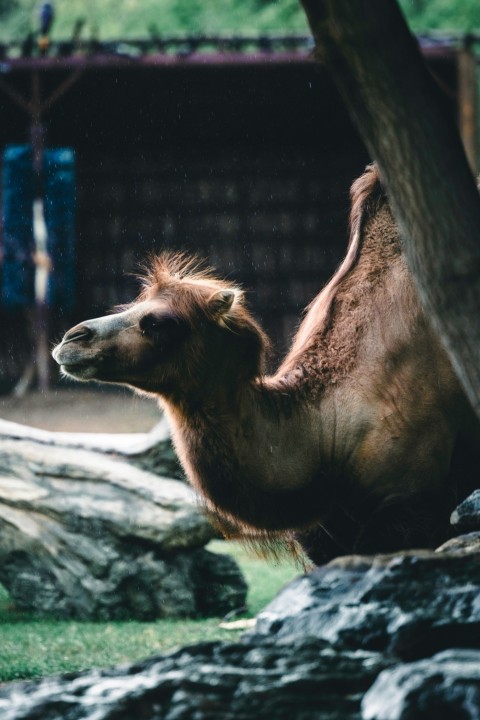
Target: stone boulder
column 85, row 533
column 446, row 685
column 207, row 681
column 407, row 605
column 377, row 638
column 467, row 515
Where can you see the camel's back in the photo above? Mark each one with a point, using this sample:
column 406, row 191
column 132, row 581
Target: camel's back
column 401, row 404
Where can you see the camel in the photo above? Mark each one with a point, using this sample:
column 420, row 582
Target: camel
column 361, row 441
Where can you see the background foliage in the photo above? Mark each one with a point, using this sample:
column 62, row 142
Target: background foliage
column 113, row 19
column 463, row 15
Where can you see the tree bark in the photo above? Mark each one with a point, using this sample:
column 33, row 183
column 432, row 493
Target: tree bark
column 378, row 68
column 468, row 102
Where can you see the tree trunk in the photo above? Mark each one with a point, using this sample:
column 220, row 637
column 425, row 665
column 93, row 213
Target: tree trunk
column 401, row 116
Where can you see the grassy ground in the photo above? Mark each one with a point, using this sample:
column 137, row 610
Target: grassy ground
column 34, row 647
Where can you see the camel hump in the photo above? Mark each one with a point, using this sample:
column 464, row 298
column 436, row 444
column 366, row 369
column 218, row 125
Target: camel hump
column 366, row 193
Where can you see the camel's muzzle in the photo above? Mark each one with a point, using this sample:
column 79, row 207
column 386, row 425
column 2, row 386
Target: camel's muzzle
column 79, row 332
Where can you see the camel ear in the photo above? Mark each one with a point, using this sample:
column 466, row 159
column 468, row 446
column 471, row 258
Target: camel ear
column 221, row 302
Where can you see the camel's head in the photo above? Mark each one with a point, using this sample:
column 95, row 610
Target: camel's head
column 187, row 332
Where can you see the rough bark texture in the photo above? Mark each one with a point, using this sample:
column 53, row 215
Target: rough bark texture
column 85, row 534
column 401, row 117
column 384, row 637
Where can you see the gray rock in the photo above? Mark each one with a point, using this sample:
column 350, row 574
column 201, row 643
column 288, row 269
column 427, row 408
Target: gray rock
column 443, row 687
column 303, row 681
column 469, row 543
column 328, row 640
column 219, row 584
column 152, row 451
column 85, row 534
column 408, row 605
column 467, row 514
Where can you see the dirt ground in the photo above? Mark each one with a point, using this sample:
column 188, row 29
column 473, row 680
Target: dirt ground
column 82, row 409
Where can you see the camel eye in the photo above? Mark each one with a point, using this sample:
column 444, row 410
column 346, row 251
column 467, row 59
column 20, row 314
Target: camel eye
column 150, row 324
column 160, row 329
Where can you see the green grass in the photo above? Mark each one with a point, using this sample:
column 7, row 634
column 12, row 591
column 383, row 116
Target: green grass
column 114, row 19
column 33, row 647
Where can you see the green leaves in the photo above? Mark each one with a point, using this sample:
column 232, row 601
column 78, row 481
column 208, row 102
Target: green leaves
column 459, row 15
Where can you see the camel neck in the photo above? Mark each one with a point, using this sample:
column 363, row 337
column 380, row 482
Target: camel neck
column 257, row 457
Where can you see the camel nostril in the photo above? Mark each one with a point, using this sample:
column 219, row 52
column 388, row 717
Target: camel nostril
column 83, row 332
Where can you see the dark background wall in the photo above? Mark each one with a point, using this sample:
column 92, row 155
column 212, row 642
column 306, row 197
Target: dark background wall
column 247, row 165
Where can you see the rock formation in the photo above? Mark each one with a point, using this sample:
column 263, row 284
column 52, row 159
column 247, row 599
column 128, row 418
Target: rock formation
column 393, row 637
column 446, row 685
column 86, row 533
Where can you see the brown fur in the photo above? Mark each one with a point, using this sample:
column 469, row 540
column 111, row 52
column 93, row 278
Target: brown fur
column 352, row 443
column 325, row 347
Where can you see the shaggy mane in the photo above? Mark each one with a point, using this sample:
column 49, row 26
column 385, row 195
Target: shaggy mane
column 171, row 268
